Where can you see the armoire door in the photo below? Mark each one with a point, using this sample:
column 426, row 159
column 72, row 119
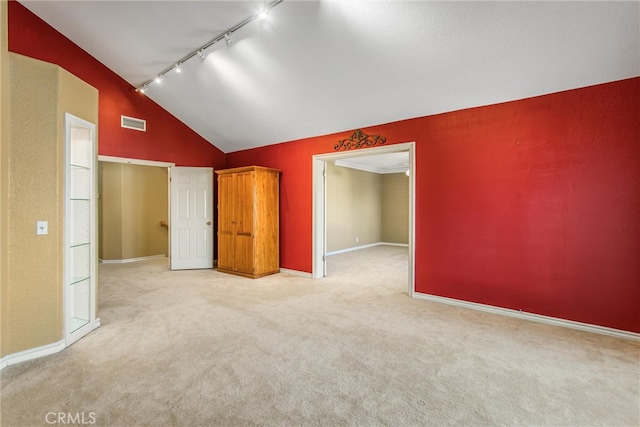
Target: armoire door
column 226, row 229
column 244, row 217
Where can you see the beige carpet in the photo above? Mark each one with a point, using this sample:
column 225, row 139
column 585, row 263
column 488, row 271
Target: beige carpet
column 201, row 348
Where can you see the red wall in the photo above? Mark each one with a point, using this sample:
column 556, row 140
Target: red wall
column 167, row 139
column 531, row 205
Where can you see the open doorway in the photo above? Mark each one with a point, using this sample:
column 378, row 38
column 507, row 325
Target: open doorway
column 133, row 209
column 321, row 247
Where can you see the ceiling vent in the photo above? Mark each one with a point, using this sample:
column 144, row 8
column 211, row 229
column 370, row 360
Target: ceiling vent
column 133, row 123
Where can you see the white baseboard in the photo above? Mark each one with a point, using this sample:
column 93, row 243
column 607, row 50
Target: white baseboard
column 123, row 261
column 296, row 273
column 404, row 245
column 370, row 245
column 602, row 330
column 33, row 353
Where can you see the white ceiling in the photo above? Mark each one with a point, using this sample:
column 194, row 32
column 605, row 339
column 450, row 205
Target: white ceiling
column 319, row 67
column 378, row 163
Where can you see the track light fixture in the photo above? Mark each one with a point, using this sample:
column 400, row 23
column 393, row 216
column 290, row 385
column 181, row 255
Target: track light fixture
column 199, row 52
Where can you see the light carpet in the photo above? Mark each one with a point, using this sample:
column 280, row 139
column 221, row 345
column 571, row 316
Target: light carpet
column 202, row 348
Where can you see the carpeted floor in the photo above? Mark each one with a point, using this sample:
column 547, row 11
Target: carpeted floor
column 202, row 348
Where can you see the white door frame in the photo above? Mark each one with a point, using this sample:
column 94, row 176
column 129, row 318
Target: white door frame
column 319, row 219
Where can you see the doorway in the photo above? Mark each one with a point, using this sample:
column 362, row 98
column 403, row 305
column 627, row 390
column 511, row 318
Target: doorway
column 319, row 267
column 133, row 209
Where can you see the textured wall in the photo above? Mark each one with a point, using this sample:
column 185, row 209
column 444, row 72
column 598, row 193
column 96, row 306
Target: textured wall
column 110, row 211
column 167, row 138
column 531, row 204
column 134, row 201
column 354, row 204
column 144, row 204
column 395, row 208
column 4, row 175
column 34, row 283
column 40, row 94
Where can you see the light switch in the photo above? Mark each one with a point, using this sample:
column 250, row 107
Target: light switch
column 42, row 227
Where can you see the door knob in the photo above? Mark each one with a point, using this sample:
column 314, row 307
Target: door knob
column 208, row 222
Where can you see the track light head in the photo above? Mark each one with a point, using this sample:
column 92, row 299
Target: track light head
column 263, row 15
column 227, row 38
column 178, row 67
column 201, row 55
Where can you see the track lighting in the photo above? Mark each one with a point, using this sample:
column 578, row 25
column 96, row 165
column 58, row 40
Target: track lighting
column 199, row 52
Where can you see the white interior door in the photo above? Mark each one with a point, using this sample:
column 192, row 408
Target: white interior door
column 191, row 221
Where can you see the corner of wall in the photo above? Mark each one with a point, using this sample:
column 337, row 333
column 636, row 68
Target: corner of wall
column 4, row 172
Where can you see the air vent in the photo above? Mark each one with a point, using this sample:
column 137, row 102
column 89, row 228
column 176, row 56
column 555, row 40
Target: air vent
column 133, row 123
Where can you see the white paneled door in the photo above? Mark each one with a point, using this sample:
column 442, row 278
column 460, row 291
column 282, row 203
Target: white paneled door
column 191, row 218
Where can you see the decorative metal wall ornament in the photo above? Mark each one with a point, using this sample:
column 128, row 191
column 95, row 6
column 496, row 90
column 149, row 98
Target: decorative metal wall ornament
column 359, row 139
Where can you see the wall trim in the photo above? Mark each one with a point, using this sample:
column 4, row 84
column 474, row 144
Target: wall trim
column 141, row 162
column 296, row 273
column 124, row 261
column 32, row 353
column 555, row 321
column 353, row 248
column 357, row 248
column 404, row 245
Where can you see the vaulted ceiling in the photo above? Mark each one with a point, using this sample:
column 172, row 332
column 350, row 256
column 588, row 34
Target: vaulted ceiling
column 318, row 67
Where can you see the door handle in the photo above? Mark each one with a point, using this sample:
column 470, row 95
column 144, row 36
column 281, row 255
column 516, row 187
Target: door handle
column 208, row 222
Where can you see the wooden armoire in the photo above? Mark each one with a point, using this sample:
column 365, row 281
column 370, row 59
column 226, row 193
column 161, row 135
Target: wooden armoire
column 248, row 221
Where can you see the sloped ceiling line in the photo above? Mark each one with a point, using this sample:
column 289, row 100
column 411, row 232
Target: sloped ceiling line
column 397, row 59
column 224, row 35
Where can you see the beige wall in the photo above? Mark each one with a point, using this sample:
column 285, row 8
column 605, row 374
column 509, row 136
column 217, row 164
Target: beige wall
column 40, row 93
column 368, row 206
column 4, row 176
column 354, row 207
column 109, row 210
column 395, row 208
column 134, row 200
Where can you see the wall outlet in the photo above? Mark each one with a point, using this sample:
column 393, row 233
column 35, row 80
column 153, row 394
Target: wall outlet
column 42, row 227
column 357, row 238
